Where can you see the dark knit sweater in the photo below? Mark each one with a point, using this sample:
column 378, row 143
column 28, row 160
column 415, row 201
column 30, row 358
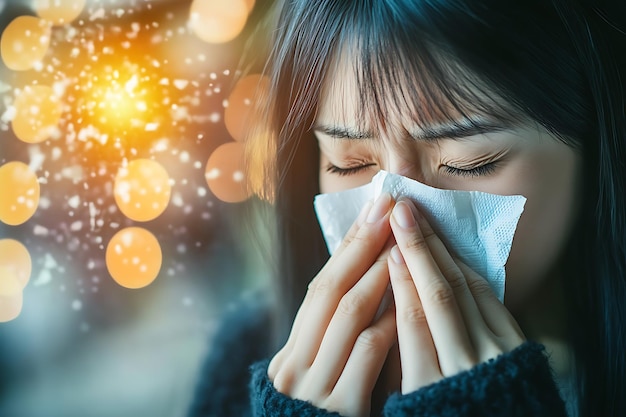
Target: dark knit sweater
column 234, row 381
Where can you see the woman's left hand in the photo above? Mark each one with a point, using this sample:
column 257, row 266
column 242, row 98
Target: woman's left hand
column 447, row 316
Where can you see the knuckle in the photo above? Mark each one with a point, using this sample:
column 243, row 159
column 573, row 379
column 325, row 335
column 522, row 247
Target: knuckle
column 455, row 277
column 416, row 243
column 440, row 294
column 371, row 340
column 480, row 288
column 352, row 304
column 321, row 285
column 414, row 315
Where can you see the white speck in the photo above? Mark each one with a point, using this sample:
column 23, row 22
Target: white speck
column 201, row 191
column 76, row 226
column 43, row 278
column 187, row 301
column 215, row 117
column 98, row 14
column 39, row 230
column 213, row 174
column 74, row 201
column 151, row 127
column 184, row 157
column 77, row 305
column 177, row 200
column 181, row 84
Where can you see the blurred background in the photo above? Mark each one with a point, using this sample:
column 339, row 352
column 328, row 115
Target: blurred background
column 121, row 181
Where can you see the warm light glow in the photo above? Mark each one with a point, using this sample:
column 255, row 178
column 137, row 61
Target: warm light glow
column 24, row 42
column 19, row 193
column 15, row 262
column 218, row 21
column 15, row 270
column 133, row 257
column 240, row 104
column 142, row 189
column 225, row 173
column 37, row 114
column 116, row 98
column 10, row 306
column 59, row 12
column 250, row 4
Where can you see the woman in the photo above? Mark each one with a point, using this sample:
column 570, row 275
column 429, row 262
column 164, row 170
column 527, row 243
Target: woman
column 520, row 97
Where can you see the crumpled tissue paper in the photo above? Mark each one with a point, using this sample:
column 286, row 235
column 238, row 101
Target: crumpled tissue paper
column 476, row 227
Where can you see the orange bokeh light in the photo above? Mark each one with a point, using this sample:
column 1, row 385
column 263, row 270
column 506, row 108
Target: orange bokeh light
column 142, row 189
column 250, row 4
column 16, row 261
column 15, row 270
column 10, row 306
column 19, row 193
column 225, row 173
column 59, row 12
column 24, row 42
column 133, row 257
column 237, row 115
column 37, row 114
column 218, row 21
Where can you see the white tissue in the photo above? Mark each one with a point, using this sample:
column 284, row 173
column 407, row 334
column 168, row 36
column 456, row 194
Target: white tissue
column 477, row 227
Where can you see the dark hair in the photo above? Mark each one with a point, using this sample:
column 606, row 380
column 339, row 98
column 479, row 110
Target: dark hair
column 556, row 62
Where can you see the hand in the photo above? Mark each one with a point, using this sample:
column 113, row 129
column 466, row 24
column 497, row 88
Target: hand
column 448, row 318
column 335, row 350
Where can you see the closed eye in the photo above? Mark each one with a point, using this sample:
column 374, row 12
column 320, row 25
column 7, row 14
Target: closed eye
column 333, row 169
column 482, row 170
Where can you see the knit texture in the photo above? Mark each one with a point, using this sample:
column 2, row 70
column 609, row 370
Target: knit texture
column 267, row 402
column 518, row 383
column 234, row 381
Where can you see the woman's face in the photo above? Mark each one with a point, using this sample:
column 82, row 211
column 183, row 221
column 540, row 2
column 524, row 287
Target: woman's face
column 524, row 160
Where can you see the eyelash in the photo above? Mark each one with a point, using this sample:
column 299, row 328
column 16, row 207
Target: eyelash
column 478, row 171
column 333, row 169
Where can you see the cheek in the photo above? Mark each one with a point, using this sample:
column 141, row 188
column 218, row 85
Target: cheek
column 550, row 184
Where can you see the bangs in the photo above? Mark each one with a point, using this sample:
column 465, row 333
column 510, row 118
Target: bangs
column 400, row 71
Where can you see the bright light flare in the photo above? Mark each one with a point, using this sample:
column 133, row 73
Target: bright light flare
column 115, row 99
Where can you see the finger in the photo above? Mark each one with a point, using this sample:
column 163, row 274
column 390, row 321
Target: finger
column 355, row 312
column 366, row 361
column 496, row 315
column 476, row 327
column 450, row 336
column 418, row 356
column 337, row 277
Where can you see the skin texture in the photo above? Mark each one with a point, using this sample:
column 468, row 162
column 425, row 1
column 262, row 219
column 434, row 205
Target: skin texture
column 445, row 318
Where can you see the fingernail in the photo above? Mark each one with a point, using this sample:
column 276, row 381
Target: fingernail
column 396, row 255
column 380, row 208
column 363, row 214
column 403, row 215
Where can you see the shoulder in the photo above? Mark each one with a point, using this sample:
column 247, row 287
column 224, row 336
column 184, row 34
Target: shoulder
column 242, row 338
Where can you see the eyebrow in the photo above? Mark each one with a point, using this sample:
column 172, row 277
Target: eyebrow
column 456, row 130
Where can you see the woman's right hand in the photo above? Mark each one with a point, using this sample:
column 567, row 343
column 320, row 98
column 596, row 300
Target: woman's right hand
column 336, row 350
